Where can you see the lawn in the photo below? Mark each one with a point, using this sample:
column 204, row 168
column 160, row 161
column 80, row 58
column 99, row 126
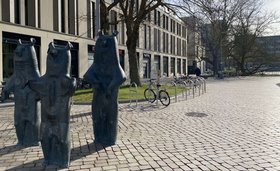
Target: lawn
column 125, row 93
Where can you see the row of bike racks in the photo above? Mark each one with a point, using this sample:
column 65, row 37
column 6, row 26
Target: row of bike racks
column 189, row 85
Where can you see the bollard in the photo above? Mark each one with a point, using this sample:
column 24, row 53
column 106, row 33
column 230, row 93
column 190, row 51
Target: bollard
column 175, row 85
column 204, row 85
column 186, row 89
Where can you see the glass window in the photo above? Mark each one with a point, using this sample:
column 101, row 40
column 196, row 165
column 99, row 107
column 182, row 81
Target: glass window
column 165, row 66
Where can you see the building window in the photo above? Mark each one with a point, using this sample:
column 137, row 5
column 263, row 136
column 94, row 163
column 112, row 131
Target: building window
column 155, row 17
column 165, row 66
column 159, row 40
column 31, row 14
column 91, row 50
column 163, row 21
column 184, row 67
column 179, row 46
column 62, row 14
column 184, row 48
column 77, row 17
column 56, row 15
column 146, row 65
column 113, row 20
column 74, row 56
column 155, row 40
column 163, row 42
column 122, row 33
column 9, row 44
column 122, row 58
column 149, row 38
column 167, row 23
column 179, row 71
column 158, row 18
column 91, row 19
column 17, row 11
column 145, row 36
column 173, row 66
column 184, row 32
column 157, row 63
column 172, row 44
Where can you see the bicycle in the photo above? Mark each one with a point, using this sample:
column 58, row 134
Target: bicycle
column 160, row 94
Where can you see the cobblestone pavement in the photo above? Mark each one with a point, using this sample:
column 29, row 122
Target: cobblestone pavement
column 234, row 126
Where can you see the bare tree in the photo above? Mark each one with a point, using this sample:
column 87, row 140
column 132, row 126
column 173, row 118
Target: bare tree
column 251, row 23
column 214, row 19
column 133, row 14
column 228, row 25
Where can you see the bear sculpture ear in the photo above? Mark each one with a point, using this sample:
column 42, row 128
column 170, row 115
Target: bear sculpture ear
column 19, row 42
column 69, row 46
column 100, row 33
column 33, row 41
column 51, row 45
column 115, row 33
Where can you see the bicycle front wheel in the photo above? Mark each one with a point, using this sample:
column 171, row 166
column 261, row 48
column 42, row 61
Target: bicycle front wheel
column 150, row 95
column 164, row 97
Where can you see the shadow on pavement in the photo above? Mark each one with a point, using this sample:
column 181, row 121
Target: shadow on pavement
column 85, row 150
column 196, row 114
column 143, row 108
column 76, row 153
column 80, row 115
column 11, row 149
column 38, row 164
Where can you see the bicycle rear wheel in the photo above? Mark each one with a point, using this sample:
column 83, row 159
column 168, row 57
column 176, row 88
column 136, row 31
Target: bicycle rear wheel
column 164, row 97
column 150, row 95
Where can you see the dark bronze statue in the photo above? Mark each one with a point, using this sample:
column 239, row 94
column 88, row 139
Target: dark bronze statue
column 106, row 75
column 27, row 117
column 55, row 89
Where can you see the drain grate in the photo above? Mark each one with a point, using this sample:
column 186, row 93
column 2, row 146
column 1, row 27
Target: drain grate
column 196, row 114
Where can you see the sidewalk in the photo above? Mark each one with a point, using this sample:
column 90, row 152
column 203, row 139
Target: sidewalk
column 234, row 126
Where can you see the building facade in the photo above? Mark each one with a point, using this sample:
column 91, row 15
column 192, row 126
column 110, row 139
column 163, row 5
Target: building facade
column 269, row 47
column 162, row 45
column 196, row 50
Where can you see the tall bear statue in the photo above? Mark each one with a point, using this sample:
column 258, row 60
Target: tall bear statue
column 27, row 116
column 55, row 89
column 106, row 75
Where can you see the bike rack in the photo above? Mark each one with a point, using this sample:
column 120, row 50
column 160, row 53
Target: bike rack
column 175, row 85
column 133, row 93
column 204, row 85
column 186, row 89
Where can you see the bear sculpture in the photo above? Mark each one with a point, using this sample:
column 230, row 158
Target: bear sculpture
column 27, row 117
column 55, row 89
column 105, row 75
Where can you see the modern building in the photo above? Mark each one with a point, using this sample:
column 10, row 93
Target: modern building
column 269, row 47
column 162, row 42
column 196, row 50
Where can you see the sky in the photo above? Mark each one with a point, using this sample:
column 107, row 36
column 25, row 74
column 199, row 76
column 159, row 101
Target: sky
column 273, row 5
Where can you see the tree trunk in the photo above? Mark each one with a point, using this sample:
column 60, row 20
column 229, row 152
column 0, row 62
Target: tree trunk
column 132, row 57
column 133, row 66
